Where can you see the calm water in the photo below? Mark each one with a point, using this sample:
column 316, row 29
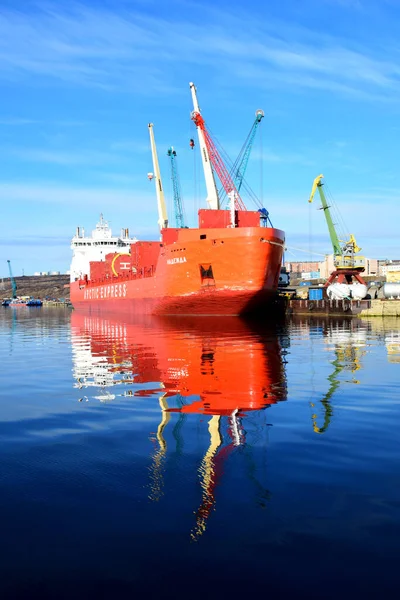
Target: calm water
column 198, row 458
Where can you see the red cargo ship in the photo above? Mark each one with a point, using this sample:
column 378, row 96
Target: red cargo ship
column 229, row 265
column 208, row 271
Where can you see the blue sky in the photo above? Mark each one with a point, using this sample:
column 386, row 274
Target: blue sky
column 81, row 80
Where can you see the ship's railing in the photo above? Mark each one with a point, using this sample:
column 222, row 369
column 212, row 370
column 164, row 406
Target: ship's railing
column 139, row 274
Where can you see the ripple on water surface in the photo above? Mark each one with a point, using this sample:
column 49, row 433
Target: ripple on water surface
column 136, row 452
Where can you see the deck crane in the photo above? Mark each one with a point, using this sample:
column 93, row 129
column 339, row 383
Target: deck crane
column 162, row 209
column 179, row 215
column 212, row 161
column 13, row 284
column 243, row 158
column 240, row 166
column 348, row 263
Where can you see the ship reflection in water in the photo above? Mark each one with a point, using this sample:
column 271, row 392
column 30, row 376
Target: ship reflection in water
column 184, row 457
column 216, row 368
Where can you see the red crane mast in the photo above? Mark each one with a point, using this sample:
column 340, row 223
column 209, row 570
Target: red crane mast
column 217, row 162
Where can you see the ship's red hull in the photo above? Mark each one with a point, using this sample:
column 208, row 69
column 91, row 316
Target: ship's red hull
column 196, row 272
column 212, row 303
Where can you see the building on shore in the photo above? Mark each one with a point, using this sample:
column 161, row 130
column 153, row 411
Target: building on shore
column 388, row 265
column 322, row 270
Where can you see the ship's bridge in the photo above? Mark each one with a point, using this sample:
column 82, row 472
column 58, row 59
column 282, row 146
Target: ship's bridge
column 86, row 249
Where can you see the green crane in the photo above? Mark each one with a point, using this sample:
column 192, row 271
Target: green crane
column 13, row 284
column 344, row 252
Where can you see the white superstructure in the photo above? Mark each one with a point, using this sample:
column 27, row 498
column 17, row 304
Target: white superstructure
column 101, row 242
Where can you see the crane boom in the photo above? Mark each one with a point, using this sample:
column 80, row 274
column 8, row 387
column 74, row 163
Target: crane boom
column 337, row 250
column 344, row 252
column 212, row 193
column 214, row 158
column 162, row 209
column 13, row 283
column 246, row 150
column 179, row 216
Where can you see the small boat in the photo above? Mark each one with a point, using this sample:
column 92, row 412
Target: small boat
column 17, row 302
column 34, row 302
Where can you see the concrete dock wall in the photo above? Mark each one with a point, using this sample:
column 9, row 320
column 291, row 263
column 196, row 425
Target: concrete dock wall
column 382, row 308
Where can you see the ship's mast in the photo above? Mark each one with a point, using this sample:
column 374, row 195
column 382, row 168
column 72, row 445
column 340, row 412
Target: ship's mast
column 212, row 193
column 162, row 209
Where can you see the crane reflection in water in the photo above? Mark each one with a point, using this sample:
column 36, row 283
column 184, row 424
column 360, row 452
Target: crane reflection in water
column 220, row 369
column 348, row 341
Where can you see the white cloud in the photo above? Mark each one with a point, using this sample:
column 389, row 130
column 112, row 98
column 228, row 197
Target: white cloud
column 268, row 156
column 81, row 157
column 346, row 3
column 66, row 195
column 17, row 121
column 11, row 121
column 129, row 51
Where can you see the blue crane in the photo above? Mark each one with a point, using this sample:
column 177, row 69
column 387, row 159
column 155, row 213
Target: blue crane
column 242, row 160
column 13, row 284
column 238, row 170
column 240, row 166
column 179, row 215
